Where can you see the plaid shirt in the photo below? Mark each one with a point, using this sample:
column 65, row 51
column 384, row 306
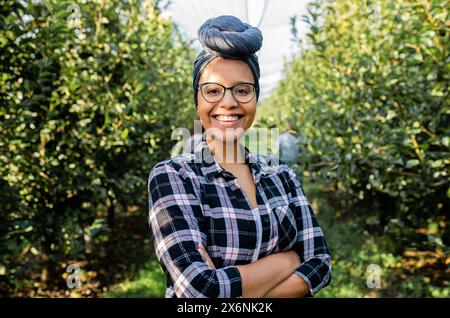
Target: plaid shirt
column 195, row 201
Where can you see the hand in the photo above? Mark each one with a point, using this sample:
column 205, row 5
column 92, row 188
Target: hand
column 205, row 256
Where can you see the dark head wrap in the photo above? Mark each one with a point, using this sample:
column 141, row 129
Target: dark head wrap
column 228, row 37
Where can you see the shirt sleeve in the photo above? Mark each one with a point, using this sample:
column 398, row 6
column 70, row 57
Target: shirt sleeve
column 311, row 245
column 174, row 210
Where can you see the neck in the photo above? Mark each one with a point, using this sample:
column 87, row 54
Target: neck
column 227, row 152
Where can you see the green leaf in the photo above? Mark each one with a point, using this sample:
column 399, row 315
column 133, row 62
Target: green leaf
column 412, row 163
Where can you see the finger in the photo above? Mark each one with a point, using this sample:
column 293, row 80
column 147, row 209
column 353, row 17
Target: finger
column 206, row 257
column 210, row 263
column 201, row 250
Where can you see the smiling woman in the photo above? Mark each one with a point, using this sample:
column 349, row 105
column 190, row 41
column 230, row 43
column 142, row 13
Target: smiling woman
column 234, row 223
column 221, row 110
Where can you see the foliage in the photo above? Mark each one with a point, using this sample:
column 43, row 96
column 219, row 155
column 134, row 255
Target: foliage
column 368, row 98
column 350, row 261
column 149, row 282
column 88, row 93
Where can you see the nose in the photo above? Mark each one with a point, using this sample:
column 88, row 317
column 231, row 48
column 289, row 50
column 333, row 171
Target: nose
column 228, row 99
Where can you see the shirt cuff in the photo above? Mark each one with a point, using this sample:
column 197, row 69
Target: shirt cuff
column 316, row 274
column 306, row 280
column 231, row 282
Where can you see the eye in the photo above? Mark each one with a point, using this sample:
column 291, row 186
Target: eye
column 212, row 91
column 242, row 91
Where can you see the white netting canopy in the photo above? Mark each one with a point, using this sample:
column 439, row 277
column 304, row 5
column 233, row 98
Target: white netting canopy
column 272, row 17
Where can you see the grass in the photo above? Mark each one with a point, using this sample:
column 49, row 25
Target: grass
column 357, row 256
column 352, row 249
column 149, row 282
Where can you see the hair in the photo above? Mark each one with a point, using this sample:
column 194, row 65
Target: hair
column 230, row 38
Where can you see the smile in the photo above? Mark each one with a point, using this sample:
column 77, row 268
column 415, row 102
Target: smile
column 232, row 121
column 228, row 118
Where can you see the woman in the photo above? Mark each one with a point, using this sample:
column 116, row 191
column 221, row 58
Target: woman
column 226, row 222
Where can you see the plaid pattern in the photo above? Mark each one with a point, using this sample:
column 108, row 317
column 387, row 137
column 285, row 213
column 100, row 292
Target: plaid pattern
column 195, row 201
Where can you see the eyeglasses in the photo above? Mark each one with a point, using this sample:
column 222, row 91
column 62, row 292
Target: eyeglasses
column 214, row 92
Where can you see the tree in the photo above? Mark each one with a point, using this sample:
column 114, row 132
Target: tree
column 369, row 95
column 89, row 95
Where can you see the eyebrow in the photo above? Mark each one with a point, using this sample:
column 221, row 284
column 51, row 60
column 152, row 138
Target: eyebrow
column 235, row 83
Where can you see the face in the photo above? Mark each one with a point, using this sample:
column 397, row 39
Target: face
column 240, row 115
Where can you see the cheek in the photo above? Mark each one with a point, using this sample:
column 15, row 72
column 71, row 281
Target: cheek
column 251, row 112
column 203, row 114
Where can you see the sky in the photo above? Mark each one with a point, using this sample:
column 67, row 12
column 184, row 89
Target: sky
column 271, row 16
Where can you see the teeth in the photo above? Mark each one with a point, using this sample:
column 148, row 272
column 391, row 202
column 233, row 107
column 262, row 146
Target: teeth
column 227, row 118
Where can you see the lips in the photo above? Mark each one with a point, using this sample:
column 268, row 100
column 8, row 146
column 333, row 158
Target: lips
column 228, row 120
column 228, row 117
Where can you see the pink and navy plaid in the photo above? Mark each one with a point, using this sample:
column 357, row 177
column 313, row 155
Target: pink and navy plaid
column 195, row 201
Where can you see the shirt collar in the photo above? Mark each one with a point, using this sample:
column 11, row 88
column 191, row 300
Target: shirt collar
column 211, row 167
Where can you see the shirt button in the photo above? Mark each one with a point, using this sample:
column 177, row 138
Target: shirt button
column 266, row 219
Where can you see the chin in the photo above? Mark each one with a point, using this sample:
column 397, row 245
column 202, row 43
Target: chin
column 229, row 135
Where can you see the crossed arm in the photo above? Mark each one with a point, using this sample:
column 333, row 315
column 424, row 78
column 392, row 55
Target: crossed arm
column 173, row 217
column 270, row 277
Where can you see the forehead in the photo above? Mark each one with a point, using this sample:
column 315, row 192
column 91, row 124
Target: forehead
column 226, row 72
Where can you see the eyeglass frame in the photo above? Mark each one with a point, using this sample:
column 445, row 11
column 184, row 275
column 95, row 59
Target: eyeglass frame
column 255, row 89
